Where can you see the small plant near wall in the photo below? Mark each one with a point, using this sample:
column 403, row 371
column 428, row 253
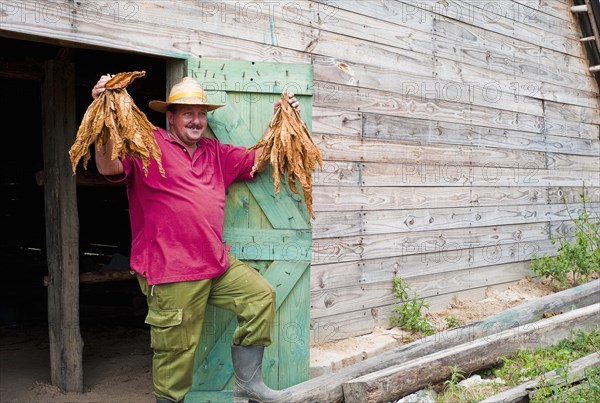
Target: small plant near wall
column 452, row 322
column 576, row 259
column 408, row 313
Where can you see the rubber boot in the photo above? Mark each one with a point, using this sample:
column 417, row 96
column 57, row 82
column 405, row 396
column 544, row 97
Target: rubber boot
column 249, row 386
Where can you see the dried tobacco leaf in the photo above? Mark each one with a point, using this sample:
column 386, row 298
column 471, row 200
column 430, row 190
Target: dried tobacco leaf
column 114, row 116
column 291, row 149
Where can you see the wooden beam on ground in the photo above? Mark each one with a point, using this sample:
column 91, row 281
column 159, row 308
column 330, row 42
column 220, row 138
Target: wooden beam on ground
column 576, row 372
column 328, row 387
column 400, row 380
column 62, row 227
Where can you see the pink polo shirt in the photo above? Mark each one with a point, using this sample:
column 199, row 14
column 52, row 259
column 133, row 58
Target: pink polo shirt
column 177, row 221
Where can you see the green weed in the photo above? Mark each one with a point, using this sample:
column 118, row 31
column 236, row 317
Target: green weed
column 576, row 260
column 408, row 313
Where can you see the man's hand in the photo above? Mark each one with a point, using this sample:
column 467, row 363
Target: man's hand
column 99, row 87
column 292, row 101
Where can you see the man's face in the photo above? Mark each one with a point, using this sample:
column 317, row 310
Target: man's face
column 187, row 122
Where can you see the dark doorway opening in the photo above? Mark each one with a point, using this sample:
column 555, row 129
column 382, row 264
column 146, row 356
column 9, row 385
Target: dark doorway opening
column 105, row 235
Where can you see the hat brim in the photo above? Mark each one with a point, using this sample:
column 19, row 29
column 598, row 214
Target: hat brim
column 160, row 106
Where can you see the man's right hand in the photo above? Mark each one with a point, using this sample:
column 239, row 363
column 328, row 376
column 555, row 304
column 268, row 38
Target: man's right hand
column 99, row 87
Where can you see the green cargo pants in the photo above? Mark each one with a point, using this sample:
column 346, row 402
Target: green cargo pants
column 176, row 314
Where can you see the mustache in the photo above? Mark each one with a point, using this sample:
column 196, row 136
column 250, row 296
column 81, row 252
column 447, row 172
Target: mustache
column 194, row 127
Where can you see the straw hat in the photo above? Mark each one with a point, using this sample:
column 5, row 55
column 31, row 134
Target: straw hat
column 186, row 92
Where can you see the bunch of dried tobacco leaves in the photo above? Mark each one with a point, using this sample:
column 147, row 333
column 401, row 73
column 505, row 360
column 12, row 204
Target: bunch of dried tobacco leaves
column 291, row 149
column 114, row 116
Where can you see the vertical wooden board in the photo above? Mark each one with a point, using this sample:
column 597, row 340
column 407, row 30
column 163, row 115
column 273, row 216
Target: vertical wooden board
column 209, row 371
column 241, row 206
column 237, row 209
column 294, row 334
column 62, row 227
column 260, row 113
column 288, row 279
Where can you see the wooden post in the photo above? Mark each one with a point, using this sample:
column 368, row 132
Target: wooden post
column 176, row 70
column 62, row 227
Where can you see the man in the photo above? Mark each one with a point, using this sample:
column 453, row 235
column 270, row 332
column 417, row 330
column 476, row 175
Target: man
column 177, row 249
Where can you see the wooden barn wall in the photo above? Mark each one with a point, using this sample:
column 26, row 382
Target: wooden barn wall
column 451, row 130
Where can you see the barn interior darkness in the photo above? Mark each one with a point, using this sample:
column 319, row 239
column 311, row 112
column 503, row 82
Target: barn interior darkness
column 105, row 235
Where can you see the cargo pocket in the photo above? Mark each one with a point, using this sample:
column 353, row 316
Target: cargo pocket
column 166, row 331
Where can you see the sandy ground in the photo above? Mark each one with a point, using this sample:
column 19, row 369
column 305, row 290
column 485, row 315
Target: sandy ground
column 117, row 358
column 117, row 366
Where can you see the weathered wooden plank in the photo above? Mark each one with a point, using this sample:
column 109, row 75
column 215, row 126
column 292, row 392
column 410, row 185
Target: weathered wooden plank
column 573, row 194
column 343, row 326
column 449, row 174
column 377, row 198
column 342, row 148
column 392, row 198
column 477, row 45
column 333, row 301
column 62, row 227
column 384, row 102
column 573, row 146
column 430, row 262
column 556, row 126
column 558, row 8
column 337, row 122
column 354, row 248
column 476, row 14
column 443, row 82
column 429, row 285
column 337, row 173
column 397, row 13
column 426, row 131
column 353, row 223
column 271, row 22
column 501, row 78
column 344, row 21
column 328, row 387
column 91, row 24
column 343, row 52
column 403, row 379
column 573, row 162
column 573, row 113
column 376, row 222
column 576, row 371
column 535, row 13
column 505, row 12
column 422, row 131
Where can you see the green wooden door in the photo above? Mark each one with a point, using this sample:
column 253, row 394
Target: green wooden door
column 270, row 232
